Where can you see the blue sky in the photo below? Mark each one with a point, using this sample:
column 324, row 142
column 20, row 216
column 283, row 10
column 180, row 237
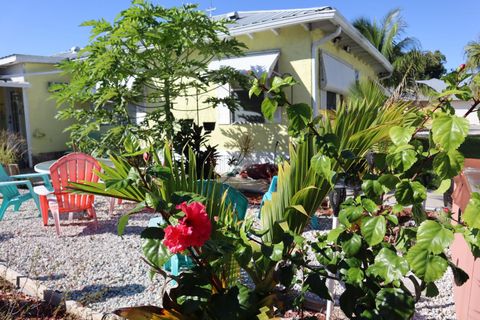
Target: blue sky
column 49, row 26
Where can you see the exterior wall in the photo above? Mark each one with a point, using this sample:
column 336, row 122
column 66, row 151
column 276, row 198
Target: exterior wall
column 461, row 107
column 3, row 110
column 46, row 132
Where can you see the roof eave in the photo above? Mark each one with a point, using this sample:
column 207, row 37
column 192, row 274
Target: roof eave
column 362, row 41
column 21, row 58
column 329, row 15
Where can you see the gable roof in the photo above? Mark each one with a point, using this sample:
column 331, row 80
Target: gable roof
column 327, row 19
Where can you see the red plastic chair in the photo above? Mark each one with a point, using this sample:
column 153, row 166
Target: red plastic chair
column 74, row 167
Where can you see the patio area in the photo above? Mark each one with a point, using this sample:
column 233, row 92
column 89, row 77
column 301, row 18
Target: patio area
column 104, row 271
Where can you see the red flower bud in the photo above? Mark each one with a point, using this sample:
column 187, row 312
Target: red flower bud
column 461, row 67
column 146, row 156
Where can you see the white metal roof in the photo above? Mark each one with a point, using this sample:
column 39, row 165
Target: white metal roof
column 326, row 18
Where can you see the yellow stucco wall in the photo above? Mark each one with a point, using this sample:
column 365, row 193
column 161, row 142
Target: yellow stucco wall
column 46, row 132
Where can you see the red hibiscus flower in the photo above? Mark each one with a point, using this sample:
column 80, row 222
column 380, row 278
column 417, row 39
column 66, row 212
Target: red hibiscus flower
column 193, row 230
column 175, row 238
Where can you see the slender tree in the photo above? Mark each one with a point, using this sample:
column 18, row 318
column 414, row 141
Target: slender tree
column 148, row 57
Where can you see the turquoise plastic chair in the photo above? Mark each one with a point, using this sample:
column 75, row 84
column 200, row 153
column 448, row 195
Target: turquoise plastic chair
column 9, row 189
column 268, row 195
column 234, row 197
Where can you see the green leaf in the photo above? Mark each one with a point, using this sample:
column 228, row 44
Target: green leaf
column 449, row 131
column 401, row 135
column 317, row 285
column 323, row 166
column 369, row 205
column 426, row 266
column 394, row 304
column 350, row 214
column 122, row 223
column 433, row 236
column 471, row 216
column 389, row 266
column 389, row 181
column 352, row 245
column 431, row 290
column 402, row 158
column 373, row 229
column 269, row 107
column 392, row 218
column 334, row 233
column 355, row 276
column 408, row 192
column 444, row 186
column 155, row 252
column 299, row 115
column 372, row 188
column 448, row 164
column 459, row 276
column 152, row 233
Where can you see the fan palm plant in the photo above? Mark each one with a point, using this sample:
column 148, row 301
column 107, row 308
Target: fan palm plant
column 472, row 51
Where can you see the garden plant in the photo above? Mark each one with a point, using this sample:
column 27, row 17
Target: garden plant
column 384, row 238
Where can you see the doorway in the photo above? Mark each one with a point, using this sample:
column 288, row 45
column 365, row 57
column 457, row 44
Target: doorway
column 15, row 118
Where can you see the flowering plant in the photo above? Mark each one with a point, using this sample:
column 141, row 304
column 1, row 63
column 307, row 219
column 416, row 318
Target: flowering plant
column 193, row 230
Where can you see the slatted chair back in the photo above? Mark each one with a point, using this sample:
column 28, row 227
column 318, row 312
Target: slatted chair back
column 74, row 167
column 7, row 191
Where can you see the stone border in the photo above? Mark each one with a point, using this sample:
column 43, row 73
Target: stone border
column 53, row 297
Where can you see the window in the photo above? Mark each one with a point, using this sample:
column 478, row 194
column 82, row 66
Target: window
column 250, row 109
column 331, row 100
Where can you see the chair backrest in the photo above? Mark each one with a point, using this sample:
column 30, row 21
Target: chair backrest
column 8, row 192
column 74, row 167
column 234, row 197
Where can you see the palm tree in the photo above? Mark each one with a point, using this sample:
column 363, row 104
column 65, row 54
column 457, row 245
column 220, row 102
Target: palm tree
column 472, row 50
column 386, row 35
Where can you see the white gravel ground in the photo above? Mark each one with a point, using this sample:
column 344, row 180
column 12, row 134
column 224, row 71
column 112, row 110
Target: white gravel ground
column 104, row 271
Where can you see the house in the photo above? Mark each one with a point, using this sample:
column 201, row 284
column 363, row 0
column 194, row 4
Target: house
column 461, row 107
column 26, row 106
column 317, row 46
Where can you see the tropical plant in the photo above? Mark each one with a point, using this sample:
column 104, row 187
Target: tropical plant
column 377, row 247
column 193, row 138
column 12, row 147
column 147, row 58
column 472, row 51
column 409, row 62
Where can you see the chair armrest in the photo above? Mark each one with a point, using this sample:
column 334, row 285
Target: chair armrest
column 45, row 177
column 42, row 191
column 15, row 183
column 31, row 175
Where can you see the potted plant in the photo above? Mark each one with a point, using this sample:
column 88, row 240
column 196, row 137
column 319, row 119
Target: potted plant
column 12, row 147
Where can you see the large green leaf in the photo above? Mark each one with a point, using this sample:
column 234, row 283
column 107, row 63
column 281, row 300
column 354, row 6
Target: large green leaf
column 322, row 166
column 389, row 266
column 426, row 266
column 373, row 229
column 317, row 285
column 155, row 252
column 449, row 131
column 409, row 192
column 401, row 135
column 433, row 236
column 448, row 164
column 401, row 158
column 352, row 245
column 471, row 216
column 269, row 107
column 299, row 115
column 394, row 303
